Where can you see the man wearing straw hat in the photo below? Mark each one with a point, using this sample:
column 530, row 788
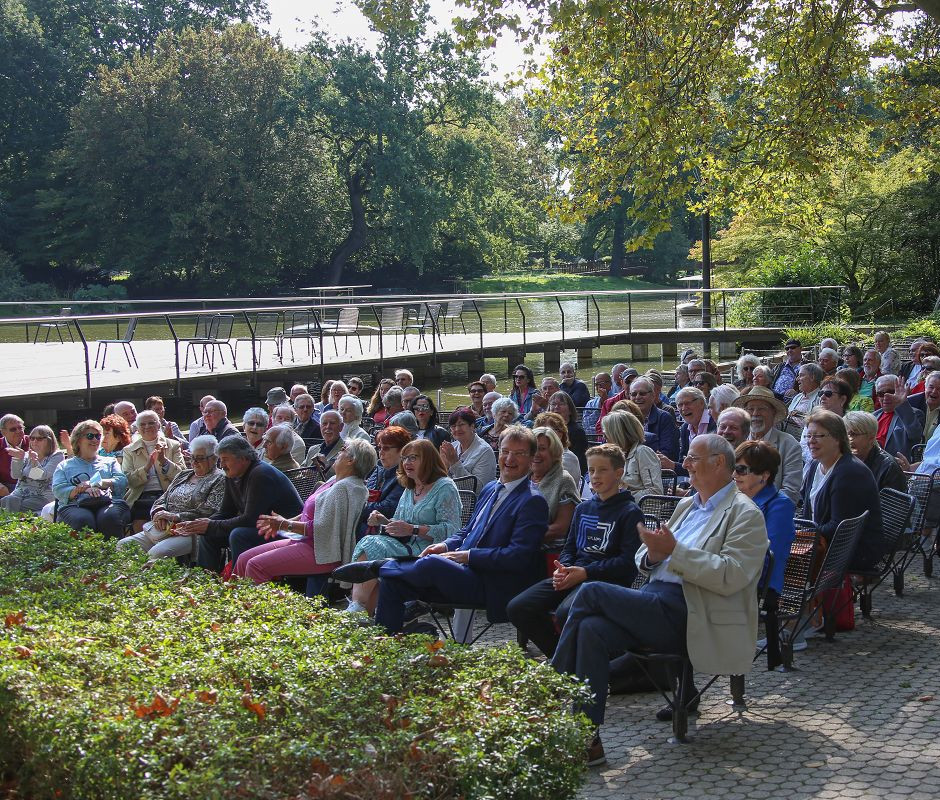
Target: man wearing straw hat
column 766, row 411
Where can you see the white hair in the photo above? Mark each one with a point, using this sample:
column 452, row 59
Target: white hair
column 204, row 445
column 353, row 401
column 721, row 397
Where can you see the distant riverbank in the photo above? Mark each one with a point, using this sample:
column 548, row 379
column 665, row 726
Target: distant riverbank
column 554, row 282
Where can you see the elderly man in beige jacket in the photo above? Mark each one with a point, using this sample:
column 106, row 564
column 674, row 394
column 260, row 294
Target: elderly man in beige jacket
column 701, row 597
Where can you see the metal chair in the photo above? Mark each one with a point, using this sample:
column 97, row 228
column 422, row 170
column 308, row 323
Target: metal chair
column 124, row 341
column 468, row 501
column 921, row 540
column 917, row 452
column 219, row 335
column 347, row 324
column 57, row 326
column 787, row 425
column 896, row 510
column 299, row 325
column 265, row 324
column 670, row 481
column 453, row 312
column 305, row 480
column 468, row 482
column 426, row 319
column 659, row 506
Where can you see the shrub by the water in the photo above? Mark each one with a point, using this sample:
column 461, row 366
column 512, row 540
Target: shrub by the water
column 119, row 681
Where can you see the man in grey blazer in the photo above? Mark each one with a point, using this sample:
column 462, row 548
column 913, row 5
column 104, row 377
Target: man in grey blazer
column 701, row 597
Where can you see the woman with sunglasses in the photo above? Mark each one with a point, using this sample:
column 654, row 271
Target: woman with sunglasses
column 755, row 469
column 745, row 370
column 427, row 513
column 835, row 395
column 523, row 389
column 426, row 414
column 255, row 423
column 89, row 487
column 33, row 468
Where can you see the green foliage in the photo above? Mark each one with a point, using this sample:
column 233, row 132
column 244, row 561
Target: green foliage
column 120, row 681
column 721, row 104
column 814, row 334
column 556, row 282
column 927, row 327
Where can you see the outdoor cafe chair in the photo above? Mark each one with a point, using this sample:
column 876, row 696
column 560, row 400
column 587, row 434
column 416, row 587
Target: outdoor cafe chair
column 265, row 324
column 896, row 510
column 425, row 319
column 305, row 480
column 57, row 326
column 218, row 334
column 124, row 341
column 299, row 325
column 453, row 312
column 468, row 482
column 679, row 673
column 658, row 508
column 346, row 325
column 925, row 489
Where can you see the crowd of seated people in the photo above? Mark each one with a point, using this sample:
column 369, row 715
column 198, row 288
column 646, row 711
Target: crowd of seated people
column 561, row 466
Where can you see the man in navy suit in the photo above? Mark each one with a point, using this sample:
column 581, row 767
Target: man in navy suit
column 900, row 426
column 494, row 558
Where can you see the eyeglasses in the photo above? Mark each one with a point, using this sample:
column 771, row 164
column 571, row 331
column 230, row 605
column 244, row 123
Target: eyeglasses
column 519, row 377
column 421, row 408
column 91, row 436
column 143, row 425
column 742, row 469
column 815, row 437
column 410, row 459
column 38, row 437
column 696, row 459
column 478, row 391
column 882, row 394
column 303, row 408
column 202, row 459
column 254, row 424
column 827, row 393
column 384, row 448
column 639, row 394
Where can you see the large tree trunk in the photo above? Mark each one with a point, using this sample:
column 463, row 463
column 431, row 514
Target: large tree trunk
column 356, row 238
column 617, row 249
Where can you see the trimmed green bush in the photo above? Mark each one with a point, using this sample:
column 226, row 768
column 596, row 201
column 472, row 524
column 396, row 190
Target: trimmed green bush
column 927, row 327
column 121, row 681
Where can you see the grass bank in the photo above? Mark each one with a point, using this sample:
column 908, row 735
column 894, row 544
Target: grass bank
column 558, row 283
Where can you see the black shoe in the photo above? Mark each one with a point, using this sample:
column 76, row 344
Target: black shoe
column 665, row 713
column 360, row 571
column 595, row 752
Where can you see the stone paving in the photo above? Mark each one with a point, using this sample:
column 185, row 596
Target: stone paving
column 859, row 719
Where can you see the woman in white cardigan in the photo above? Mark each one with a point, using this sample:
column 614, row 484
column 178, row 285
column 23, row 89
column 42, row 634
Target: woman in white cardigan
column 324, row 534
column 468, row 454
column 642, row 474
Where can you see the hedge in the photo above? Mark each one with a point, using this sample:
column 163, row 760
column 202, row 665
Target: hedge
column 122, row 681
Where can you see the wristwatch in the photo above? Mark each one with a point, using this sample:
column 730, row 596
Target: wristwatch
column 414, row 530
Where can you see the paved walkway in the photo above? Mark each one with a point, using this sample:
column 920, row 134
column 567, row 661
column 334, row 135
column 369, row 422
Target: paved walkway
column 860, row 719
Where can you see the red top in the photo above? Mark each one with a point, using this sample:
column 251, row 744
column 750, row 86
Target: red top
column 6, row 461
column 884, row 422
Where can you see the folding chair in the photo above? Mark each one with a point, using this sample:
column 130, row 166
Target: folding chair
column 896, row 510
column 347, row 324
column 453, row 312
column 659, row 507
column 124, row 341
column 921, row 540
column 219, row 335
column 305, row 480
column 468, row 482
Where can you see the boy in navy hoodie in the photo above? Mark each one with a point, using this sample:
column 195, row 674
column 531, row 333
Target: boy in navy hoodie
column 601, row 545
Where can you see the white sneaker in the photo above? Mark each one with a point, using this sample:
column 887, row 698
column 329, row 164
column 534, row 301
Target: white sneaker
column 355, row 607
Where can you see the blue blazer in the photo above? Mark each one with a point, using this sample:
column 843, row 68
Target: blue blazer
column 508, row 558
column 778, row 511
column 662, row 433
column 849, row 490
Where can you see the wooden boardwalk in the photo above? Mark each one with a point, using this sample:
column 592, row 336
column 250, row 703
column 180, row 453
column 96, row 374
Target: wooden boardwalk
column 51, row 376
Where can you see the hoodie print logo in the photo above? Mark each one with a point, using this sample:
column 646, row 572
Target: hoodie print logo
column 594, row 535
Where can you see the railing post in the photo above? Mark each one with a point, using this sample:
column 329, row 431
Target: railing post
column 812, row 307
column 562, row 312
column 521, row 314
column 427, row 309
column 316, row 319
column 480, row 319
column 176, row 353
column 597, row 310
column 630, row 312
column 675, row 310
column 378, row 320
column 81, row 335
column 254, row 361
column 505, row 318
column 724, row 308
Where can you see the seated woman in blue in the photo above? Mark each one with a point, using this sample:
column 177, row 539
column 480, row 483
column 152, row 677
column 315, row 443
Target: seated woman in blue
column 428, row 513
column 89, row 487
column 756, row 465
column 384, row 489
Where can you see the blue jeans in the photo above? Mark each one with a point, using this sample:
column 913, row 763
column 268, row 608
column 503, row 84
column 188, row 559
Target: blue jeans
column 109, row 520
column 606, row 620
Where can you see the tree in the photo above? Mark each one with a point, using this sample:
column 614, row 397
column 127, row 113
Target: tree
column 723, row 103
column 184, row 165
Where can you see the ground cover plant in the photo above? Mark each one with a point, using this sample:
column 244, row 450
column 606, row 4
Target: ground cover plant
column 118, row 681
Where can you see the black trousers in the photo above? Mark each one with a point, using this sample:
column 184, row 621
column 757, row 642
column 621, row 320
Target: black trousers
column 531, row 613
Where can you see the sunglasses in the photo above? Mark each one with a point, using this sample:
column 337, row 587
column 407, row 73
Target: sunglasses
column 882, row 394
column 91, row 437
column 742, row 469
column 827, row 393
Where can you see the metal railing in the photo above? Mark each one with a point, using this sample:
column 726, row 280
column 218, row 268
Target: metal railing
column 626, row 311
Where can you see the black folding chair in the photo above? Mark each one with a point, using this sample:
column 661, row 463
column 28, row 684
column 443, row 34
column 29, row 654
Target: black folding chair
column 659, row 507
column 896, row 510
column 299, row 325
column 670, row 481
column 921, row 540
column 468, row 482
column 219, row 336
column 468, row 501
column 305, row 480
column 265, row 324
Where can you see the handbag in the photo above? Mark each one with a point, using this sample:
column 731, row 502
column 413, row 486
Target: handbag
column 90, row 503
